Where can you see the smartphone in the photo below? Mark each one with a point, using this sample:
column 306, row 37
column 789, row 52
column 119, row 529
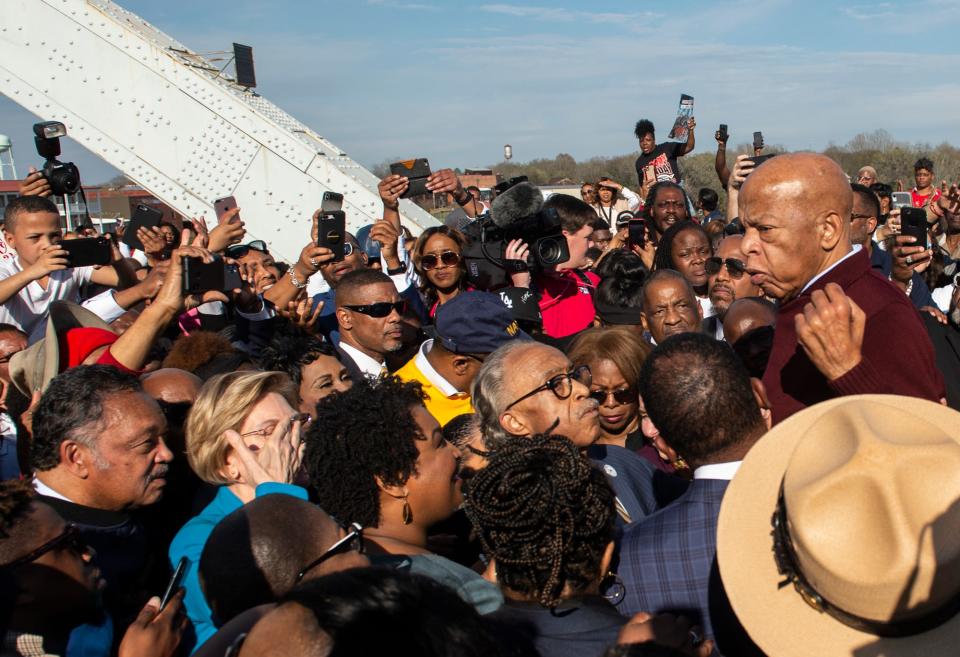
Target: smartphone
column 332, row 202
column 723, row 132
column 758, row 140
column 223, row 205
column 760, row 159
column 649, row 174
column 913, row 221
column 636, row 233
column 331, row 232
column 416, row 171
column 174, row 584
column 200, row 276
column 901, row 200
column 87, row 251
column 143, row 217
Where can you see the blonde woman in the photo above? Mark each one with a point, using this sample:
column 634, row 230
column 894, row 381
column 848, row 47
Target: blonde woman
column 243, row 435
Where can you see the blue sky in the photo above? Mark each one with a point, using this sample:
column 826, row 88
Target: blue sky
column 454, row 81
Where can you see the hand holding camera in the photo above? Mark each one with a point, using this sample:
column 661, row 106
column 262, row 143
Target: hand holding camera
column 515, row 257
column 35, row 184
column 743, row 167
column 63, row 178
column 229, row 231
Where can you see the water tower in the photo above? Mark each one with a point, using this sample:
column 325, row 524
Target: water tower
column 6, row 159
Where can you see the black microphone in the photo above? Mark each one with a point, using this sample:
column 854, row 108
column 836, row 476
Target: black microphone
column 519, row 202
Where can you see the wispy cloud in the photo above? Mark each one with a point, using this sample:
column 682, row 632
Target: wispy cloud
column 873, row 12
column 561, row 15
column 407, row 6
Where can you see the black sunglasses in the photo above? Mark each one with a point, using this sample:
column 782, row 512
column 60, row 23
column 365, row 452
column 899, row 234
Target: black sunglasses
column 240, row 250
column 622, row 396
column 70, row 538
column 352, row 541
column 736, row 267
column 560, row 385
column 430, row 260
column 380, row 309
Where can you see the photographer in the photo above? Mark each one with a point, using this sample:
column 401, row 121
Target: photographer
column 566, row 290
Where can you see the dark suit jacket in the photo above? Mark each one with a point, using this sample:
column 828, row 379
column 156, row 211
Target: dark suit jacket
column 665, row 560
column 709, row 325
column 582, row 627
column 355, row 372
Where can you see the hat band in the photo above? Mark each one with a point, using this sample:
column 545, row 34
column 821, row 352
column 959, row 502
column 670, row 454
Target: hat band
column 789, row 566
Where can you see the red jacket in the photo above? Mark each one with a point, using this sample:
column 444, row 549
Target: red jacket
column 898, row 357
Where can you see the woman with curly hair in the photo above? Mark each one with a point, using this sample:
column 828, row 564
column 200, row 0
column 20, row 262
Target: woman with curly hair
column 395, row 478
column 545, row 518
column 686, row 247
column 438, row 259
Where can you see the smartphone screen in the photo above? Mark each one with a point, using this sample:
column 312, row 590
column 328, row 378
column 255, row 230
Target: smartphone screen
column 758, row 140
column 723, row 131
column 174, row 583
column 636, row 234
column 902, row 200
column 223, row 205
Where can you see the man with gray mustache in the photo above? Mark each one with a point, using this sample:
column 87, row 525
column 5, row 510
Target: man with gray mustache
column 98, row 454
column 527, row 388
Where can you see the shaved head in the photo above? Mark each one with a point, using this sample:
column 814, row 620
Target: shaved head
column 796, row 211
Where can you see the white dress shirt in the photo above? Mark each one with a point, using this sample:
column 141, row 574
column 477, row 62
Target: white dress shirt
column 367, row 365
column 856, row 247
column 717, row 470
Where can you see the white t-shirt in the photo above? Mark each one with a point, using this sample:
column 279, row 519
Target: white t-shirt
column 27, row 310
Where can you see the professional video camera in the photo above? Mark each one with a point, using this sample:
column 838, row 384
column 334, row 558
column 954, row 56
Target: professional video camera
column 64, row 177
column 516, row 213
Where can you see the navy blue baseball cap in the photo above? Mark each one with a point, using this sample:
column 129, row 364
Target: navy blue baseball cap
column 369, row 246
column 475, row 323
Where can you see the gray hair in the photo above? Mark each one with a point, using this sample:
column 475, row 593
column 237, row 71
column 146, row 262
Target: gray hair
column 487, row 392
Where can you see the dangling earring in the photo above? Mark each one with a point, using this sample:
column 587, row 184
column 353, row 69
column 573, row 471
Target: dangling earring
column 613, row 588
column 407, row 513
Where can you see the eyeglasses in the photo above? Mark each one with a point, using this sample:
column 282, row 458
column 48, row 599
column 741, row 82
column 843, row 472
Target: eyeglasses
column 621, row 396
column 736, row 267
column 240, row 250
column 70, row 539
column 380, row 309
column 560, row 385
column 353, row 541
column 430, row 260
column 302, row 418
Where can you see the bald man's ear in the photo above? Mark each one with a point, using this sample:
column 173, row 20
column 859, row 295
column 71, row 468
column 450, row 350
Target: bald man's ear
column 763, row 402
column 833, row 228
column 643, row 321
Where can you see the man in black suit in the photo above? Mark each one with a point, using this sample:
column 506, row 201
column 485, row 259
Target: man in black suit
column 369, row 314
column 707, row 408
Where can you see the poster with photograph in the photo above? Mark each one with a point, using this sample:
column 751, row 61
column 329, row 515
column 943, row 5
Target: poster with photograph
column 679, row 130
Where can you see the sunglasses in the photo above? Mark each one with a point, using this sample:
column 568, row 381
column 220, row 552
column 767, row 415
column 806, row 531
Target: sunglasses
column 622, row 396
column 70, row 538
column 737, row 268
column 430, row 260
column 353, row 541
column 240, row 250
column 380, row 309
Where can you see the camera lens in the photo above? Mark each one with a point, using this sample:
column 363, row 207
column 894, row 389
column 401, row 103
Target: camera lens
column 550, row 251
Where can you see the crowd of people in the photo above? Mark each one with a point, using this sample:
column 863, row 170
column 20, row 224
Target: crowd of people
column 705, row 431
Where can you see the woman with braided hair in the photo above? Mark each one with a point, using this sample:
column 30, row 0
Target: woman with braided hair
column 545, row 519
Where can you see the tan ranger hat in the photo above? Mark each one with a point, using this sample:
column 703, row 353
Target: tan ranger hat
column 840, row 533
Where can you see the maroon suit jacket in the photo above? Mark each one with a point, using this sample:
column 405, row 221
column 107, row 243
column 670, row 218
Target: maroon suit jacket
column 898, row 358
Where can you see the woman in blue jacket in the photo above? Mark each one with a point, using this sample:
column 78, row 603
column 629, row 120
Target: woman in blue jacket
column 243, row 435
